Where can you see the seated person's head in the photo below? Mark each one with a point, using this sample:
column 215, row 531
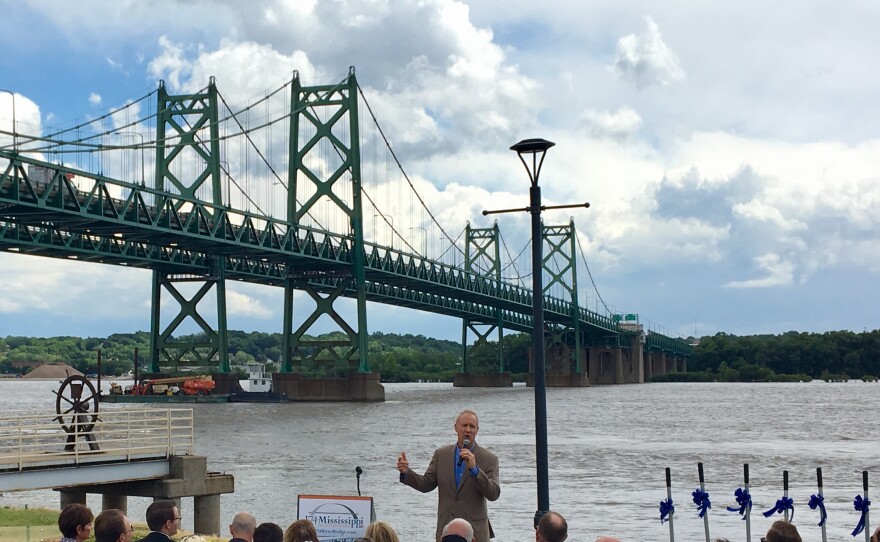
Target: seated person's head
column 301, row 530
column 75, row 521
column 458, row 530
column 112, row 526
column 782, row 531
column 268, row 532
column 380, row 531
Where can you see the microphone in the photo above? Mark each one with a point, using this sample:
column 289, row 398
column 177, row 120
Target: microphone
column 358, row 471
column 465, row 444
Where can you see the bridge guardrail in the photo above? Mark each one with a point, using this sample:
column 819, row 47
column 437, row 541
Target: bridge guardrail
column 32, row 440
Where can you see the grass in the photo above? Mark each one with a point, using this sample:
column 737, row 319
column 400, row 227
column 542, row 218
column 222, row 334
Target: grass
column 23, row 517
column 41, row 524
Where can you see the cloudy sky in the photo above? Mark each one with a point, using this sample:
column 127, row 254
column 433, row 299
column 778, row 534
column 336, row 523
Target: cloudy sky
column 730, row 151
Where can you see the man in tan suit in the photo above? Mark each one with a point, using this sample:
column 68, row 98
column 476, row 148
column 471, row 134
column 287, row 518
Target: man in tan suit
column 465, row 475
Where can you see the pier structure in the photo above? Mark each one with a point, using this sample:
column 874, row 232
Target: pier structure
column 143, row 452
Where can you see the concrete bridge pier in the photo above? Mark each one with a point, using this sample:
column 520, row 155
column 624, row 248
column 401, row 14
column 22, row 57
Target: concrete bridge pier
column 189, row 477
column 206, row 509
column 119, row 502
column 357, row 387
column 72, row 496
column 606, row 366
column 634, row 366
column 471, row 380
column 561, row 369
column 648, row 366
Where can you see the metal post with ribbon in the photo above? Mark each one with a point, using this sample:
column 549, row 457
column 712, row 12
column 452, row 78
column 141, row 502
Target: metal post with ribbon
column 667, row 509
column 784, row 504
column 862, row 505
column 744, row 500
column 818, row 501
column 701, row 499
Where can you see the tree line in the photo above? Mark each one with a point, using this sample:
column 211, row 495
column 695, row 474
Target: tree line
column 833, row 355
column 399, row 358
column 404, row 358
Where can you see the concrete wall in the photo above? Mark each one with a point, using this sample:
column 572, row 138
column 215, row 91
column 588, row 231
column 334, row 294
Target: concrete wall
column 357, row 387
column 468, row 380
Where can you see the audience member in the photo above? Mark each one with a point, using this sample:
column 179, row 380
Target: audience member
column 782, row 531
column 457, row 530
column 551, row 528
column 380, row 531
column 163, row 519
column 268, row 532
column 242, row 527
column 75, row 523
column 301, row 530
column 876, row 536
column 111, row 525
column 607, row 539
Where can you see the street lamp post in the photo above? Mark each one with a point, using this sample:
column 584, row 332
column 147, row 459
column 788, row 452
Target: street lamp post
column 531, row 152
column 533, row 148
column 14, row 128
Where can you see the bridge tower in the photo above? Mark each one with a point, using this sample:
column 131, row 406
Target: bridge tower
column 479, row 367
column 325, row 171
column 564, row 342
column 188, row 164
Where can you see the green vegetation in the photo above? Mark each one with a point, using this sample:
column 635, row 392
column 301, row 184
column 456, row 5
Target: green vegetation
column 836, row 355
column 28, row 524
column 400, row 358
column 21, row 517
column 790, row 357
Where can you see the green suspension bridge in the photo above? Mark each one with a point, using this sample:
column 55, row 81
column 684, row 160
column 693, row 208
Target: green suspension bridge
column 288, row 191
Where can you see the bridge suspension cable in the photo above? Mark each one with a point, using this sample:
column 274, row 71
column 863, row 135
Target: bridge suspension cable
column 405, row 175
column 590, row 274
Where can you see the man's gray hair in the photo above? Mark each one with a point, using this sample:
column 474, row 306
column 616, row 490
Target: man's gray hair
column 243, row 523
column 460, row 527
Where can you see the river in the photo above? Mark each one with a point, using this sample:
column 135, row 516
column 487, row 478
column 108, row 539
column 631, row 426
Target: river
column 608, row 447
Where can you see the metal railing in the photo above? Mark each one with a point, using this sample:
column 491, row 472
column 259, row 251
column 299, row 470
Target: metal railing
column 35, row 440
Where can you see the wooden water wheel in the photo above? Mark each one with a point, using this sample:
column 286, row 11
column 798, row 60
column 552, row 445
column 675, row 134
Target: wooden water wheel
column 77, row 414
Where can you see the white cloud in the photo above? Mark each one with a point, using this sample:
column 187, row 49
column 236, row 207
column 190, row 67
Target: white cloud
column 619, row 124
column 779, row 272
column 241, row 304
column 95, row 99
column 646, row 59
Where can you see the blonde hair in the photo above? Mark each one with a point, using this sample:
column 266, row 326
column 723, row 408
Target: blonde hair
column 471, row 412
column 380, row 531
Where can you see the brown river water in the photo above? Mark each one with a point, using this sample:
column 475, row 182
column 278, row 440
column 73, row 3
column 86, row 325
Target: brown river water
column 608, row 447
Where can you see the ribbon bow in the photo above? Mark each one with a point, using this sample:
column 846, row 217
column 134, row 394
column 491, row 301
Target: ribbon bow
column 701, row 499
column 818, row 501
column 861, row 505
column 744, row 500
column 666, row 510
column 783, row 504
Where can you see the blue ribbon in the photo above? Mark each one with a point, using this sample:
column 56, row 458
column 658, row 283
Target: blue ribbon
column 666, row 510
column 861, row 505
column 744, row 500
column 701, row 499
column 818, row 501
column 783, row 504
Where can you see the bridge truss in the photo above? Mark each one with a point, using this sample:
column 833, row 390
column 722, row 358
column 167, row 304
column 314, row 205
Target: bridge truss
column 187, row 229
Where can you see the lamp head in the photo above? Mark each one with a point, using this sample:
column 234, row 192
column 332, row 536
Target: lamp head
column 534, row 147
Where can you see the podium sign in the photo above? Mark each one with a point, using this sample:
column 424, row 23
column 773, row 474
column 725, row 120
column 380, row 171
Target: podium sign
column 337, row 518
